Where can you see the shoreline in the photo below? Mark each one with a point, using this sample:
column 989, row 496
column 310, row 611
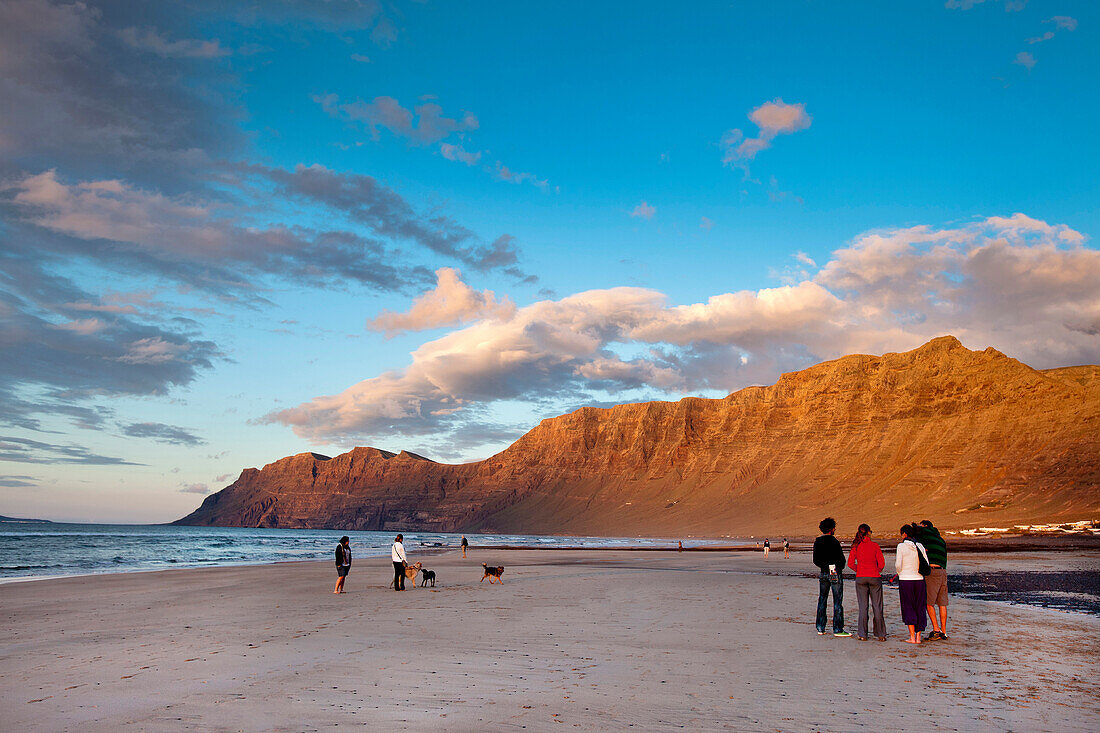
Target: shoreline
column 1000, row 545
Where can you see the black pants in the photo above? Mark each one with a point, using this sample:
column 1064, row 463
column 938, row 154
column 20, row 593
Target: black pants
column 399, row 576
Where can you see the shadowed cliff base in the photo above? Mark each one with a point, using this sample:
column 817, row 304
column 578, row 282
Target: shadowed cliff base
column 966, row 438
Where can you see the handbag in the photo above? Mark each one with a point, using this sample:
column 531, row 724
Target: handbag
column 922, row 562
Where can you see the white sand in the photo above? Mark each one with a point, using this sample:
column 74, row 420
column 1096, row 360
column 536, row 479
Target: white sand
column 604, row 640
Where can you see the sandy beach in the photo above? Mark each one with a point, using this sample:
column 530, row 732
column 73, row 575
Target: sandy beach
column 598, row 640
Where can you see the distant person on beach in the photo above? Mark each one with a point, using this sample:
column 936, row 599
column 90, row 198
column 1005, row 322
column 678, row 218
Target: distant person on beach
column 343, row 562
column 911, row 585
column 767, row 547
column 786, row 548
column 866, row 559
column 936, row 581
column 397, row 554
column 465, row 544
column 829, row 558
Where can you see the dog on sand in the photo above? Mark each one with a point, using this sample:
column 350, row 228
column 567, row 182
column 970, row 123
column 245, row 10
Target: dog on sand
column 411, row 571
column 426, row 576
column 492, row 573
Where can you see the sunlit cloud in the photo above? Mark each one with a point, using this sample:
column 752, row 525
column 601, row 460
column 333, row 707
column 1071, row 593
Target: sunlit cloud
column 772, row 118
column 450, row 303
column 1027, row 287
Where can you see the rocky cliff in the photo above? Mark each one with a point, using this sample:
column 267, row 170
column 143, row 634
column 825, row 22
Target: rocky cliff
column 966, row 438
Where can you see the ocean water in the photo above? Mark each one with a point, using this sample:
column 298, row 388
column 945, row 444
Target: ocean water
column 31, row 550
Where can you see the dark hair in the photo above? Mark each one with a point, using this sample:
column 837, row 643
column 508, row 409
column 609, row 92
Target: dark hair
column 344, row 540
column 861, row 534
column 400, row 537
column 827, row 525
column 908, row 531
column 926, row 523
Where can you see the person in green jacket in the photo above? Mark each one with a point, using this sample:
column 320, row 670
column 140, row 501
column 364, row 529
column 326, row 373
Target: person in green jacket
column 936, row 581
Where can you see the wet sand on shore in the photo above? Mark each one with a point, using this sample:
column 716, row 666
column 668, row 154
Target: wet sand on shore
column 599, row 640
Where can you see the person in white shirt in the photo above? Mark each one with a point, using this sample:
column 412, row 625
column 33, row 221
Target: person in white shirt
column 397, row 554
column 911, row 585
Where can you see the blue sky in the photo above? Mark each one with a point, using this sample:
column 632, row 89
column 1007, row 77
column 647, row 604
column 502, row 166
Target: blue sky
column 231, row 232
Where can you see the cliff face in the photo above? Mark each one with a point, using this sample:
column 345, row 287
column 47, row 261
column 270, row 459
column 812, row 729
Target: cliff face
column 962, row 437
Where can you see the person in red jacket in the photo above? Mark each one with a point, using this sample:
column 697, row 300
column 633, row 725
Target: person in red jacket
column 866, row 559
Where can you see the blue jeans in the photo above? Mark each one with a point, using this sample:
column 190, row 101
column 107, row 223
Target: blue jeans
column 823, row 601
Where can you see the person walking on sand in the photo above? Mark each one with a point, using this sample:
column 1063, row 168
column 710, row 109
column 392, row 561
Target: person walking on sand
column 911, row 585
column 829, row 558
column 936, row 581
column 397, row 554
column 866, row 559
column 767, row 547
column 343, row 562
column 465, row 544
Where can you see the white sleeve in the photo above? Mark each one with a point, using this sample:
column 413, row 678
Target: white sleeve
column 401, row 552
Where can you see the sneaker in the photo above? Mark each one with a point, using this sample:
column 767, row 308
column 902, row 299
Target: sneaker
column 880, row 638
column 842, row 633
column 932, row 636
column 861, row 638
column 821, row 633
column 942, row 636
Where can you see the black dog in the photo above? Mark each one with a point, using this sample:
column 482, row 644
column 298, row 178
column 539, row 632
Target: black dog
column 427, row 575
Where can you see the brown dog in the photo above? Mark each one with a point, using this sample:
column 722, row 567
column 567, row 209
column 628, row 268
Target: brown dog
column 411, row 571
column 491, row 573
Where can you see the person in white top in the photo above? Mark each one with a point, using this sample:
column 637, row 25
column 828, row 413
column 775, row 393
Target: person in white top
column 397, row 554
column 911, row 585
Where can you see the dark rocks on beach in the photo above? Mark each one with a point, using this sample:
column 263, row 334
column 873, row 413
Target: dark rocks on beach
column 1077, row 590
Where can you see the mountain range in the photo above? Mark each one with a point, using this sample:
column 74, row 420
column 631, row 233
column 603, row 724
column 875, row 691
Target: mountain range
column 965, row 438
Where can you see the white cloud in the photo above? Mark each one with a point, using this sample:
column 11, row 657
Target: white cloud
column 83, row 326
column 114, row 210
column 451, row 302
column 1025, row 59
column 153, row 351
column 706, row 224
column 504, row 173
column 423, row 125
column 429, row 126
column 773, row 118
column 455, row 152
column 1011, row 6
column 1061, row 23
column 360, row 58
column 1022, row 285
column 149, row 39
column 644, row 211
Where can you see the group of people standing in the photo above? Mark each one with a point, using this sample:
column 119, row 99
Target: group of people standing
column 397, row 555
column 920, row 566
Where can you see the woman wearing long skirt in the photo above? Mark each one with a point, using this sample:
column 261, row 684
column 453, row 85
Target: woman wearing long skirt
column 866, row 559
column 911, row 585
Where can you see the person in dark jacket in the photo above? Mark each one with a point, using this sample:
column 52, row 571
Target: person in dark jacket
column 936, row 581
column 829, row 558
column 343, row 562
